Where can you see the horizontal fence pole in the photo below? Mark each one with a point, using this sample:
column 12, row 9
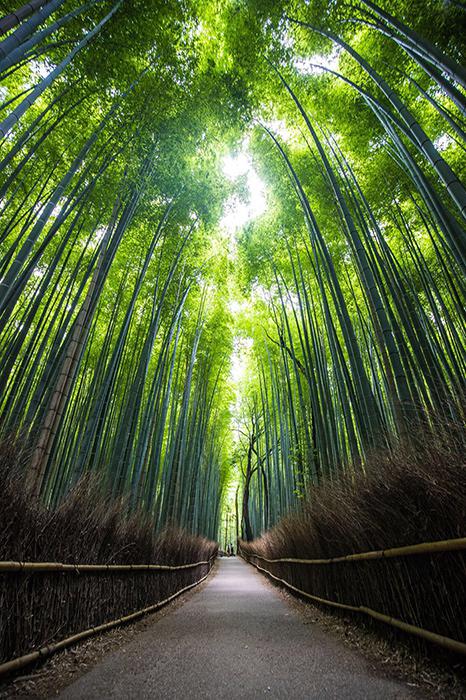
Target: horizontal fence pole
column 423, row 548
column 440, row 640
column 22, row 661
column 37, row 566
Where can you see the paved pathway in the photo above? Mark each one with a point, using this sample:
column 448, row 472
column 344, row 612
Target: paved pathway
column 236, row 638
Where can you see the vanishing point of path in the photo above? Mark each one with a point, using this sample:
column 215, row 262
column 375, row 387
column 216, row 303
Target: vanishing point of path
column 236, row 638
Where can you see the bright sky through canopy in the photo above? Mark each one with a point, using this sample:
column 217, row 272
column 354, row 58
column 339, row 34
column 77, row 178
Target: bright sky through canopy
column 237, row 210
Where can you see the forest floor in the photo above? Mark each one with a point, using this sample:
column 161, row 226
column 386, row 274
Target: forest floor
column 236, row 637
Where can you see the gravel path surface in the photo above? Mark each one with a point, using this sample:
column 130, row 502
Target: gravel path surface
column 237, row 638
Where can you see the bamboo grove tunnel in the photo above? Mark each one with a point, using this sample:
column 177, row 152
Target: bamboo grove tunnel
column 232, row 321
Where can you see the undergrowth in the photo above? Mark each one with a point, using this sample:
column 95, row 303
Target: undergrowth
column 88, row 527
column 414, row 494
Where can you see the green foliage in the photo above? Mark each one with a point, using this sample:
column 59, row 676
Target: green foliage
column 118, row 280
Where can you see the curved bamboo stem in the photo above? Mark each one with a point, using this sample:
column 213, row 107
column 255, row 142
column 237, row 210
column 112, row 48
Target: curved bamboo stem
column 36, row 566
column 422, row 548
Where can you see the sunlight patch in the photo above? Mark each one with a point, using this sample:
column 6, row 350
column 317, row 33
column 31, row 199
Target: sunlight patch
column 279, row 128
column 239, row 210
column 239, row 359
column 443, row 141
column 316, row 64
column 236, row 165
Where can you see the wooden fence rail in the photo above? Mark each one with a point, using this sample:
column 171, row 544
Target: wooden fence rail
column 33, row 566
column 423, row 548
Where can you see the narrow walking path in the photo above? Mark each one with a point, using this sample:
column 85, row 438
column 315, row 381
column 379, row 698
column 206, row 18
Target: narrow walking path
column 236, row 638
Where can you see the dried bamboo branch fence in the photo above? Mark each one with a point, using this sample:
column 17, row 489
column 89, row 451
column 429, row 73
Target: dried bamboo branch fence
column 15, row 567
column 453, row 545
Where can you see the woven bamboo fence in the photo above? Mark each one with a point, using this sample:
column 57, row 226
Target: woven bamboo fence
column 76, row 571
column 425, row 548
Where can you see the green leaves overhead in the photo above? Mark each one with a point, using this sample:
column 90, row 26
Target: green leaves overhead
column 123, row 292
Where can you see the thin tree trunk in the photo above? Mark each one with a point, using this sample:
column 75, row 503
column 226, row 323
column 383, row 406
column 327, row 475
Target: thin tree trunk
column 26, row 29
column 67, row 373
column 7, row 124
column 18, row 53
column 421, row 45
column 14, row 18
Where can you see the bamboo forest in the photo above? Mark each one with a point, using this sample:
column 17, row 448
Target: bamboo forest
column 232, row 322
